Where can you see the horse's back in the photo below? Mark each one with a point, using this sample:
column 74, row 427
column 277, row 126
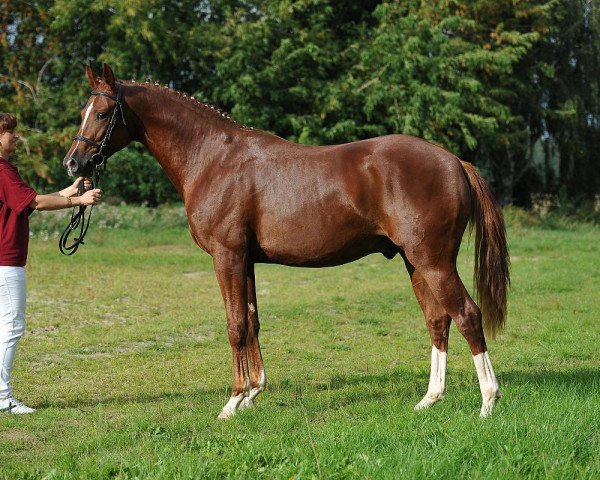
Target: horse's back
column 382, row 177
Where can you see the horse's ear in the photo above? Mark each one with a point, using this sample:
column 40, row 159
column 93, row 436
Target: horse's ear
column 92, row 78
column 109, row 76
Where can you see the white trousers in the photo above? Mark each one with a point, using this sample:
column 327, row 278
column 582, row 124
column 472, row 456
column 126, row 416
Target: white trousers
column 12, row 321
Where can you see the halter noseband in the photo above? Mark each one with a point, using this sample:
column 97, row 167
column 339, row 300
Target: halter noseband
column 98, row 159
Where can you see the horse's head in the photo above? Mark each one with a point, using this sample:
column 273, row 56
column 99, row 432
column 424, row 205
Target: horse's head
column 103, row 129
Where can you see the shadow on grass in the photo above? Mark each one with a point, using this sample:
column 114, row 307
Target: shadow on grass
column 349, row 389
column 352, row 388
column 582, row 380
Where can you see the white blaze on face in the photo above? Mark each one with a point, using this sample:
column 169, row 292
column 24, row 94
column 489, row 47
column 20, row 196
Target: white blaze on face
column 85, row 119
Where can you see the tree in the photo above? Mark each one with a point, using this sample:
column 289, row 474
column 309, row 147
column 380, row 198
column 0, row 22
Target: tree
column 24, row 64
column 445, row 71
column 282, row 65
column 572, row 98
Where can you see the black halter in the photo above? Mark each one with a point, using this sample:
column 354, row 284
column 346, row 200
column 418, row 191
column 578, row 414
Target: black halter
column 98, row 160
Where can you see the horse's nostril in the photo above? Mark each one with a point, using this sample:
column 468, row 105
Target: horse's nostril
column 72, row 165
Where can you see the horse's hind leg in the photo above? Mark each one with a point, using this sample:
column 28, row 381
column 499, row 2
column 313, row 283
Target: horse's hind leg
column 449, row 291
column 438, row 323
column 258, row 379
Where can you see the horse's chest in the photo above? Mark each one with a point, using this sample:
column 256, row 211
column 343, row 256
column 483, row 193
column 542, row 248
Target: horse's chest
column 210, row 226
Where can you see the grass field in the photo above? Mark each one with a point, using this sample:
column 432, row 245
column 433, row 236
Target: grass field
column 127, row 359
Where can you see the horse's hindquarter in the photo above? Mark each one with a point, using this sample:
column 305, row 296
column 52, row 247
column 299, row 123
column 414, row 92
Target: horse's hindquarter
column 428, row 200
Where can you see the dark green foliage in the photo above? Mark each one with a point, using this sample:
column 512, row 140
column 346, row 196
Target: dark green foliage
column 444, row 71
column 134, row 174
column 284, row 68
column 510, row 86
column 574, row 99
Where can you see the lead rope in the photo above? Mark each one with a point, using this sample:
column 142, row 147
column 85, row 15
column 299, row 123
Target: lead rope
column 78, row 220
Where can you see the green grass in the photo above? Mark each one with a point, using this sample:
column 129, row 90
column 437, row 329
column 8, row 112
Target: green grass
column 126, row 357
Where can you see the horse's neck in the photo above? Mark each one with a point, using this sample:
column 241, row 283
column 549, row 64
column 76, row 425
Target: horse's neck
column 184, row 139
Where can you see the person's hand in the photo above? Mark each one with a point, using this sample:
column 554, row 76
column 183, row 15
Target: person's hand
column 72, row 190
column 87, row 184
column 91, row 197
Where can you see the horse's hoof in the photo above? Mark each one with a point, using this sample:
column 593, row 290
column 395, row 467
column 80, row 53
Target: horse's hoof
column 486, row 407
column 246, row 403
column 428, row 401
column 489, row 400
column 486, row 410
column 225, row 415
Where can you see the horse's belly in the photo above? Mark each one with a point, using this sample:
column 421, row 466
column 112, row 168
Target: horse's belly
column 320, row 251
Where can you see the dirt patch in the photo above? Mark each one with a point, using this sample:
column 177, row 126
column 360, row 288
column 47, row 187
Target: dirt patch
column 17, row 436
column 42, row 331
column 194, row 274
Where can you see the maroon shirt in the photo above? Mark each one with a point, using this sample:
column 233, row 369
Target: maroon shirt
column 15, row 196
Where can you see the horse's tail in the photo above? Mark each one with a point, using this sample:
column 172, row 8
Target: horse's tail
column 492, row 261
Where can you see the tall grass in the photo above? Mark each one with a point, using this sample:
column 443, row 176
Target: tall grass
column 49, row 225
column 127, row 359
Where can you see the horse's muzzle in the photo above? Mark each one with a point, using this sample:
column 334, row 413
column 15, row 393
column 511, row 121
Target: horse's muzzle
column 77, row 167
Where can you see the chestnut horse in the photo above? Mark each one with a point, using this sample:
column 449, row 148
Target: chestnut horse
column 252, row 197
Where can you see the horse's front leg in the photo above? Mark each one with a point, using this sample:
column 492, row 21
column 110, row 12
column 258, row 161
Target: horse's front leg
column 258, row 379
column 230, row 268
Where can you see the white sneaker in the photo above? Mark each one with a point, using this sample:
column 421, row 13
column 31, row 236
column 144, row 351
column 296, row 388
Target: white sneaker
column 12, row 405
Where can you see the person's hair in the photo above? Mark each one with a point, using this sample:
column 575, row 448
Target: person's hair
column 7, row 122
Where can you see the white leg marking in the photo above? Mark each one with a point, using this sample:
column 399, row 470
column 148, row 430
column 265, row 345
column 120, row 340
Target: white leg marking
column 248, row 402
column 437, row 380
column 488, row 384
column 231, row 406
column 243, row 400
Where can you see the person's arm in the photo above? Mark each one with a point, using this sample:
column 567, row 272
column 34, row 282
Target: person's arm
column 57, row 202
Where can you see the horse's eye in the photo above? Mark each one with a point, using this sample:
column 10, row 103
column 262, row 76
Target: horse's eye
column 101, row 116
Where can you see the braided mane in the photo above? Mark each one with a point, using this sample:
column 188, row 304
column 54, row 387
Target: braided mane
column 193, row 101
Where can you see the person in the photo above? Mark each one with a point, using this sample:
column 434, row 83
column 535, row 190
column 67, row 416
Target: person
column 17, row 201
